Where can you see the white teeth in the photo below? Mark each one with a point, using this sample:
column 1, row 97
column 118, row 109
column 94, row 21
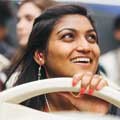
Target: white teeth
column 82, row 60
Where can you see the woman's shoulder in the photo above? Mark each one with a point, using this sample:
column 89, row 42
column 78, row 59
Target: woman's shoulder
column 4, row 62
column 12, row 80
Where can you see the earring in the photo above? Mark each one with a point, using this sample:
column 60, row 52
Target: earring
column 39, row 69
column 39, row 72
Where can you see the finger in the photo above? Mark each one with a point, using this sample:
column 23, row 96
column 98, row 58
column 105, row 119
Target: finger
column 93, row 84
column 101, row 84
column 95, row 81
column 85, row 81
column 76, row 78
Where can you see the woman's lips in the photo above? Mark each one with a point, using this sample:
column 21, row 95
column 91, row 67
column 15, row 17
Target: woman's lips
column 84, row 60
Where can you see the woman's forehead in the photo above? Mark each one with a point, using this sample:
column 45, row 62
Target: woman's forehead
column 25, row 9
column 74, row 21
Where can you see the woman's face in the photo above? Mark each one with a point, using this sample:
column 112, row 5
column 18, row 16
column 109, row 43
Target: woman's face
column 72, row 47
column 26, row 16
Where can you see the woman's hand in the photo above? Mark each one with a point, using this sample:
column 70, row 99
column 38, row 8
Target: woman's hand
column 89, row 80
column 85, row 102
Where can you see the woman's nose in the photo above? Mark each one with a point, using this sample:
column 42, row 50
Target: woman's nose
column 83, row 45
column 20, row 25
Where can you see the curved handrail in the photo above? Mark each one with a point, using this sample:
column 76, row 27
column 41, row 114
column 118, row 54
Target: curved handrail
column 10, row 111
column 23, row 92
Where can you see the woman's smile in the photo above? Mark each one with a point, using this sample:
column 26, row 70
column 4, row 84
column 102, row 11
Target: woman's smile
column 82, row 61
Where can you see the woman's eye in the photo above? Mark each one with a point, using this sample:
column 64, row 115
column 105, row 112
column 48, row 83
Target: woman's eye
column 29, row 18
column 68, row 37
column 91, row 38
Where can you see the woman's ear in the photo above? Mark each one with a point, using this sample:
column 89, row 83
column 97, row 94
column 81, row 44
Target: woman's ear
column 39, row 57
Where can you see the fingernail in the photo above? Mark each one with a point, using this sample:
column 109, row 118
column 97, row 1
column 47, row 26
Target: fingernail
column 98, row 87
column 90, row 92
column 73, row 83
column 82, row 91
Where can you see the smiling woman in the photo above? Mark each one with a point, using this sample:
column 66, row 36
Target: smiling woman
column 64, row 43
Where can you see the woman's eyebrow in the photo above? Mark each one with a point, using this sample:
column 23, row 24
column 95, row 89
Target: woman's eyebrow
column 91, row 30
column 65, row 29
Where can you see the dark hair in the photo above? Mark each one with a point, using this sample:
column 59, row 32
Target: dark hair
column 5, row 12
column 117, row 23
column 38, row 40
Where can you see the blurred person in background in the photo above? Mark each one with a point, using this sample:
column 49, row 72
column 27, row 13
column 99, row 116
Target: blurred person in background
column 111, row 60
column 28, row 10
column 6, row 49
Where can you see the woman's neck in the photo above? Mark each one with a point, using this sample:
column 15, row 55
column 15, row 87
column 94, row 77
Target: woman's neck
column 54, row 102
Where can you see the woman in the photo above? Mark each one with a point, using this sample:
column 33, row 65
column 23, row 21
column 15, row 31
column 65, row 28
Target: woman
column 27, row 12
column 64, row 43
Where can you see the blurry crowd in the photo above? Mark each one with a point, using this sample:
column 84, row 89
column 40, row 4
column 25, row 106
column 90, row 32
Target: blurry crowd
column 6, row 47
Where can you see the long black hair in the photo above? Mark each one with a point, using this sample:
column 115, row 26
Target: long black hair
column 38, row 40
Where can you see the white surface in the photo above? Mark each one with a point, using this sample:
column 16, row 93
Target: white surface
column 103, row 2
column 4, row 62
column 23, row 92
column 9, row 111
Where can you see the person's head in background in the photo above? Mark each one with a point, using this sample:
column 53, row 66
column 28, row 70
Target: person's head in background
column 5, row 15
column 27, row 12
column 116, row 28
